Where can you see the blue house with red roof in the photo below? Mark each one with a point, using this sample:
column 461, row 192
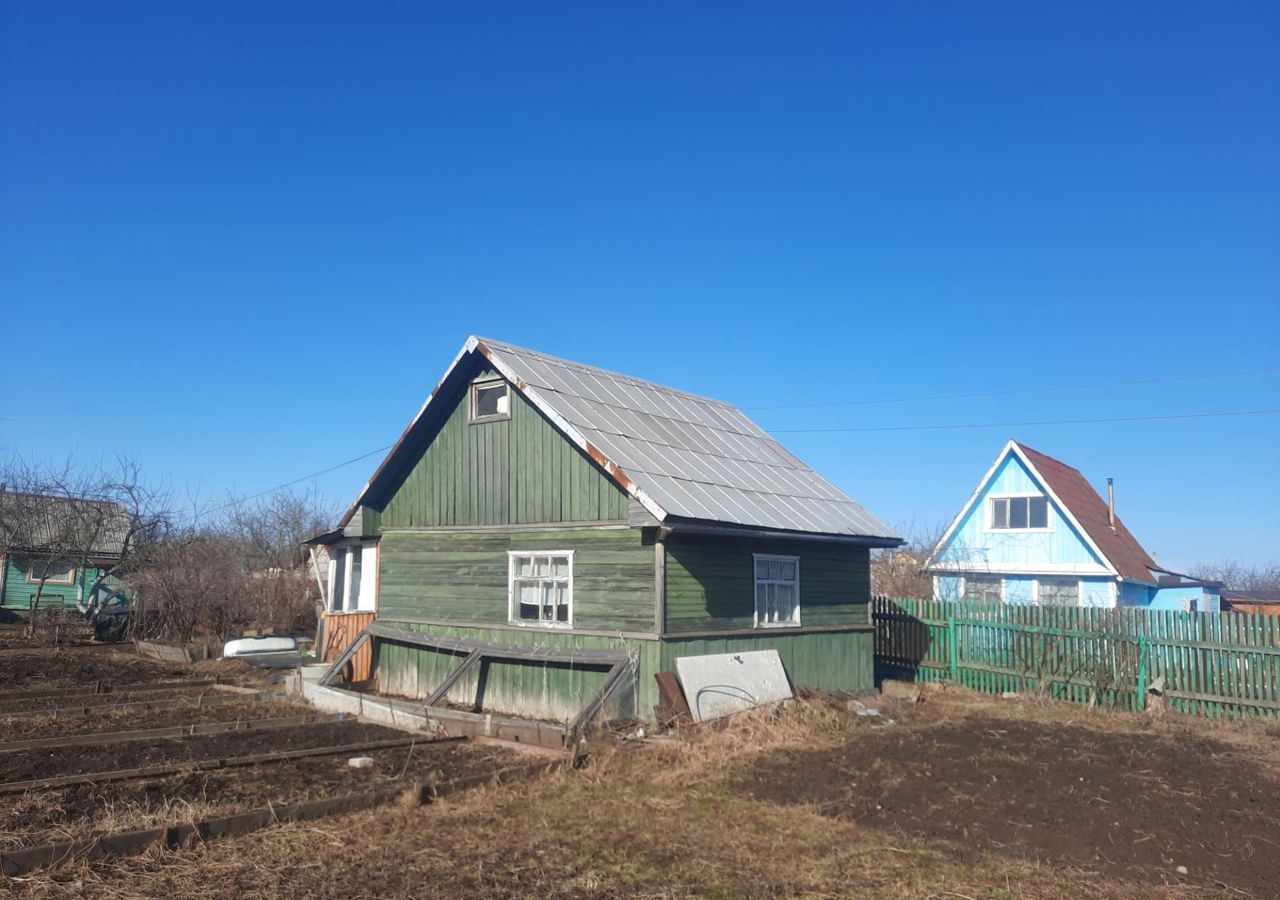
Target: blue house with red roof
column 1035, row 531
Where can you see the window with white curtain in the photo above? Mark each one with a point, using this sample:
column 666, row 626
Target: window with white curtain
column 540, row 588
column 777, row 590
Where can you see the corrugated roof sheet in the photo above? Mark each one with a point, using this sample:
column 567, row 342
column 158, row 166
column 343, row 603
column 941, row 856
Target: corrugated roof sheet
column 41, row 522
column 695, row 457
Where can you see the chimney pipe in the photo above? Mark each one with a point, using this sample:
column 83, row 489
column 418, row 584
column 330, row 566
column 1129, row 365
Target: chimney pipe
column 1111, row 503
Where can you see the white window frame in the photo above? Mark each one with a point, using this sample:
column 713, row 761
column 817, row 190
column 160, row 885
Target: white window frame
column 991, row 513
column 482, row 384
column 512, row 617
column 1079, row 589
column 775, row 557
column 33, row 579
column 964, row 586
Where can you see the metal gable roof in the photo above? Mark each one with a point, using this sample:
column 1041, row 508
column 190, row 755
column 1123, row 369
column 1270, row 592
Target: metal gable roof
column 680, row 455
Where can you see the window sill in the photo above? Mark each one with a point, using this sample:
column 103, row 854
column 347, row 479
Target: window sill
column 990, row 530
column 545, row 626
column 778, row 625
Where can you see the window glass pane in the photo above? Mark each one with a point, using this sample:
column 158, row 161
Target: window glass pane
column 789, row 571
column 775, row 569
column 490, row 400
column 524, row 566
column 762, row 568
column 786, row 602
column 1039, row 512
column 982, row 588
column 1018, row 512
column 999, row 513
column 560, row 566
column 1059, row 592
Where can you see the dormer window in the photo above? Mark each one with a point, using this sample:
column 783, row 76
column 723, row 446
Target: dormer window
column 1019, row 513
column 490, row 400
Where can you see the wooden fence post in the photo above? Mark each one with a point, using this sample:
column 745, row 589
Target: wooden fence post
column 1143, row 664
column 953, row 646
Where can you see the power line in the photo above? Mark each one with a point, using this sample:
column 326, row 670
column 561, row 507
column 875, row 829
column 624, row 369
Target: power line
column 1211, row 415
column 1006, row 393
column 280, row 487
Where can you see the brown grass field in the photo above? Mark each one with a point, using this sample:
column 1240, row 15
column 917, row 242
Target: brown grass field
column 963, row 797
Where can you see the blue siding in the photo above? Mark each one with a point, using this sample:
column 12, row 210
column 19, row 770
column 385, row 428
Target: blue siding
column 1187, row 598
column 1134, row 594
column 1096, row 592
column 972, row 544
column 1019, row 590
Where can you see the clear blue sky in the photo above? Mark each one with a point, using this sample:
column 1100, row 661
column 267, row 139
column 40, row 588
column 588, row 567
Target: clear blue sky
column 240, row 241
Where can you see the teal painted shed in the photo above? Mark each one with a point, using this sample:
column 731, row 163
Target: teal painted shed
column 58, row 550
column 538, row 502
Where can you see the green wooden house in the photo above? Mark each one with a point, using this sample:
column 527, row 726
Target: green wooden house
column 59, row 549
column 535, row 501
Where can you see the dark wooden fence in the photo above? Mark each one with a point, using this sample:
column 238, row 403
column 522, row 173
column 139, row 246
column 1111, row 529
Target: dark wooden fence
column 1206, row 664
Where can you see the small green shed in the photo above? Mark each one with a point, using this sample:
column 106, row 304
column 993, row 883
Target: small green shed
column 538, row 502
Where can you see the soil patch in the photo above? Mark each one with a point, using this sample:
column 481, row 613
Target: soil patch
column 109, row 719
column 28, row 765
column 1134, row 806
column 81, row 666
column 86, row 809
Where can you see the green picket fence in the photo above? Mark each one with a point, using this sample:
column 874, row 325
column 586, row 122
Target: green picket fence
column 1206, row 664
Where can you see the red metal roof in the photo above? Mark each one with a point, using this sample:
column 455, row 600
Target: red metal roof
column 1120, row 547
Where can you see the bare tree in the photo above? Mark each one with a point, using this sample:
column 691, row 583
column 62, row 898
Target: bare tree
column 1237, row 577
column 900, row 572
column 244, row 569
column 66, row 517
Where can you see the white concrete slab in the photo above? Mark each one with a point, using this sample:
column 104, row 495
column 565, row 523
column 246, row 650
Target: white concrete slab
column 723, row 683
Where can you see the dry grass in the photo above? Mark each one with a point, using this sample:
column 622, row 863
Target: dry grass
column 656, row 820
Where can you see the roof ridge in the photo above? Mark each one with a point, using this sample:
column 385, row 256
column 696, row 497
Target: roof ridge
column 572, row 364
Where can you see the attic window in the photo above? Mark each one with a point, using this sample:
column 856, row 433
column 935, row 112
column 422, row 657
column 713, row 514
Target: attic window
column 1019, row 513
column 490, row 401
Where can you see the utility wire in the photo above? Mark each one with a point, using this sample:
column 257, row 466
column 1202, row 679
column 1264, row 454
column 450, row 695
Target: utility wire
column 1211, row 415
column 1006, row 393
column 280, row 487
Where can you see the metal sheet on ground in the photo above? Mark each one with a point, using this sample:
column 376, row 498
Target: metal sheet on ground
column 719, row 684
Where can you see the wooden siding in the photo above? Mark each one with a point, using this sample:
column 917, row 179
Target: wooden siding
column 711, row 582
column 552, row 692
column 18, row 592
column 511, row 471
column 461, row 576
column 340, row 630
column 976, row 547
column 824, row 661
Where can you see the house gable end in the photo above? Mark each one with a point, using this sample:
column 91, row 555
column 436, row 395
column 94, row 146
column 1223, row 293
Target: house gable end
column 971, row 544
column 516, row 470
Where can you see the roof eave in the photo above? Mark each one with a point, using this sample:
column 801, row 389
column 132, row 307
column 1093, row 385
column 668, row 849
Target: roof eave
column 728, row 529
